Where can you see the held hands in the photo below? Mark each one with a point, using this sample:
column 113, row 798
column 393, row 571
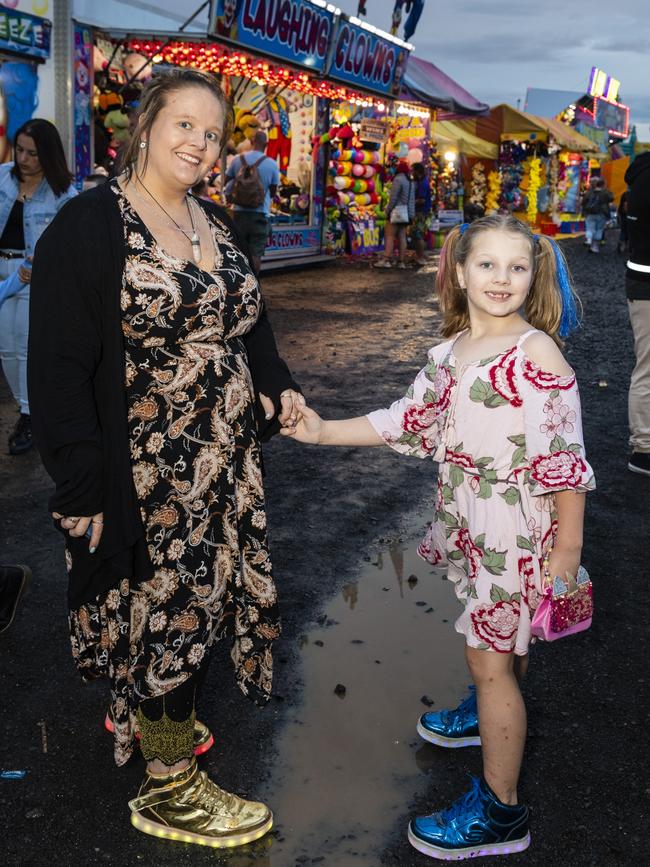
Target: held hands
column 77, row 527
column 290, row 407
column 308, row 427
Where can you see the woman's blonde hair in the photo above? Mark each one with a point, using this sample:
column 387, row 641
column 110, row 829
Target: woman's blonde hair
column 153, row 100
column 544, row 304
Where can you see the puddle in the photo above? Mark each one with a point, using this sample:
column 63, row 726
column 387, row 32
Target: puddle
column 350, row 761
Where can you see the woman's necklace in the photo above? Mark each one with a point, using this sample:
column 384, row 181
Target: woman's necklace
column 26, row 191
column 194, row 239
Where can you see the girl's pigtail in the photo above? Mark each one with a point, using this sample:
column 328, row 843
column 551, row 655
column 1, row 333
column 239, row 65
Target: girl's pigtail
column 552, row 304
column 453, row 304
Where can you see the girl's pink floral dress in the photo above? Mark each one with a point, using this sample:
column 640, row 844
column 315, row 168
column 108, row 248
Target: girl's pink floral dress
column 507, row 436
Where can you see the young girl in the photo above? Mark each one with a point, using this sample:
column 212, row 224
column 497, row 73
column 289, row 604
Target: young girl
column 498, row 407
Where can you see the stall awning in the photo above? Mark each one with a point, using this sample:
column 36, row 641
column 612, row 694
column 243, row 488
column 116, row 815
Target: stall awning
column 566, row 136
column 504, row 121
column 450, row 134
column 424, row 83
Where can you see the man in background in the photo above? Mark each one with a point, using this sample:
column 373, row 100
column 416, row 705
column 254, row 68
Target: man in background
column 637, row 287
column 252, row 220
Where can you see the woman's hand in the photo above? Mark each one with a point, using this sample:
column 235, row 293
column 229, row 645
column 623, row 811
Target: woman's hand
column 77, row 527
column 291, row 403
column 308, row 427
column 25, row 272
column 562, row 560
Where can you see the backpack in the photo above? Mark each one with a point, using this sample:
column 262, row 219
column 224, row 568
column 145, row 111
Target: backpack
column 248, row 190
column 593, row 203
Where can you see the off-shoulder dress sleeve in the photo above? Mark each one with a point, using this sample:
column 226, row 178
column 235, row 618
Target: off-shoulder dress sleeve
column 414, row 425
column 553, row 431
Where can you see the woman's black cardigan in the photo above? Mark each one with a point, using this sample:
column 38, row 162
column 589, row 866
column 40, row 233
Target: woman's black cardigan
column 76, row 379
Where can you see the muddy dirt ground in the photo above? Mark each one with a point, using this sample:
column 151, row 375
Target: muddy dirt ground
column 343, row 525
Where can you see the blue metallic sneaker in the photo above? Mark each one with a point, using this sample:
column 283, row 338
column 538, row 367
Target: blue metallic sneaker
column 476, row 824
column 452, row 728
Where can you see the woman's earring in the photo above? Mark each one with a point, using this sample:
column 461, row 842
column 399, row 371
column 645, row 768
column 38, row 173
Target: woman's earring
column 143, row 145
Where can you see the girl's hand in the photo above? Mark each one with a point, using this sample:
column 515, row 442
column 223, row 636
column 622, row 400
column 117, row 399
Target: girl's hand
column 562, row 560
column 77, row 527
column 308, row 427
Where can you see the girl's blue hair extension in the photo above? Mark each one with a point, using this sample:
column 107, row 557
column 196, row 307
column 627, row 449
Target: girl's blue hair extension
column 569, row 320
column 463, row 228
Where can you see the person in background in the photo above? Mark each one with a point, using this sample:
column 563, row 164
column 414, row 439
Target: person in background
column 595, row 207
column 32, row 189
column 423, row 209
column 253, row 223
column 14, row 580
column 399, row 213
column 637, row 287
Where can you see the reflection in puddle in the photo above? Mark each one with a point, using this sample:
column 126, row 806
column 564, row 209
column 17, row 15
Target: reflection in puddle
column 350, row 761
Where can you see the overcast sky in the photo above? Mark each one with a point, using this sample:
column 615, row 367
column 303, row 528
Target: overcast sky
column 498, row 48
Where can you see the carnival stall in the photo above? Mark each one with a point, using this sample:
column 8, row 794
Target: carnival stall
column 287, row 81
column 542, row 168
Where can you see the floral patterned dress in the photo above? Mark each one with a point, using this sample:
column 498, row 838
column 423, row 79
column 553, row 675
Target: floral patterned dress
column 196, row 467
column 507, row 436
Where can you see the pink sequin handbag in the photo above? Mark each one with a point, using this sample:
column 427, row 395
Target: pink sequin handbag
column 566, row 607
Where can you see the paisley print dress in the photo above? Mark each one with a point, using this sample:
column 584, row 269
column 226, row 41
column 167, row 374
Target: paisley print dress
column 196, row 468
column 507, row 436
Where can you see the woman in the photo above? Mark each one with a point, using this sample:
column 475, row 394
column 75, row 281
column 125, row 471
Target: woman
column 399, row 213
column 144, row 342
column 32, row 189
column 423, row 208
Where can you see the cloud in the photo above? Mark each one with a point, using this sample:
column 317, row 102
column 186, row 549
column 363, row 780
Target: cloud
column 497, row 49
column 627, row 45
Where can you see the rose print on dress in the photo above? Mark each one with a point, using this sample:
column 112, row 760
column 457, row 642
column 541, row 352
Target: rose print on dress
column 496, row 624
column 560, row 470
column 502, row 378
column 543, row 381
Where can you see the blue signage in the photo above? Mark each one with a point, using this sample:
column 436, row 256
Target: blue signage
column 293, row 30
column 23, row 33
column 365, row 60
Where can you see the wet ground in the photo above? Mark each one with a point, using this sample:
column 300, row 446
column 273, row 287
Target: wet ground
column 368, row 628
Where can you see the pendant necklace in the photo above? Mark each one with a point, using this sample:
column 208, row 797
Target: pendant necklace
column 194, row 239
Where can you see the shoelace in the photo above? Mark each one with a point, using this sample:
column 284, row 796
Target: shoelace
column 466, row 805
column 469, row 705
column 216, row 799
column 466, row 708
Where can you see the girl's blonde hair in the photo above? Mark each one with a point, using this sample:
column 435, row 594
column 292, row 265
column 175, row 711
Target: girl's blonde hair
column 543, row 307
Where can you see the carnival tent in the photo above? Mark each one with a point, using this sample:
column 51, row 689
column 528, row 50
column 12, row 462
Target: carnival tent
column 505, row 122
column 449, row 134
column 424, row 83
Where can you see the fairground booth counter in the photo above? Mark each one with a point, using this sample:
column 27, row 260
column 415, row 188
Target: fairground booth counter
column 299, row 70
column 541, row 172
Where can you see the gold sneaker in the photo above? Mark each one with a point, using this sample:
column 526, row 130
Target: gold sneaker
column 203, row 737
column 187, row 806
